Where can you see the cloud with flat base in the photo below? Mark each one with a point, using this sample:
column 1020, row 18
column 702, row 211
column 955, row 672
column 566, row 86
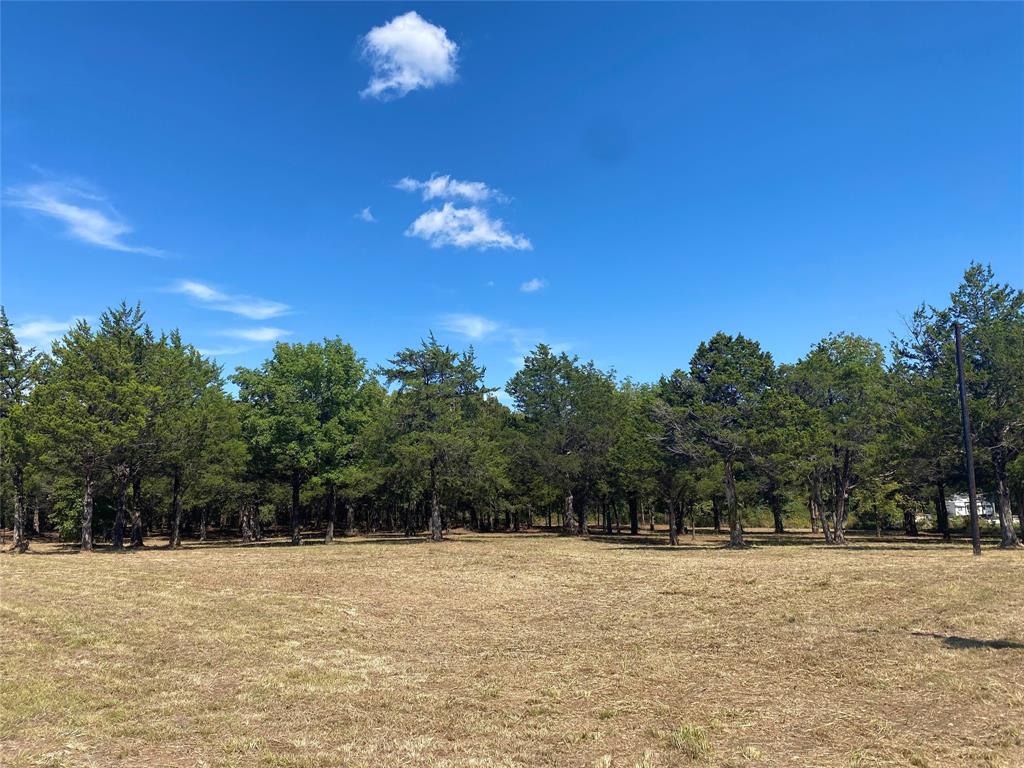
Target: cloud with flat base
column 470, row 227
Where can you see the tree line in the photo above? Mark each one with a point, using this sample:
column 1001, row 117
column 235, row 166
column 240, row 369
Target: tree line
column 121, row 434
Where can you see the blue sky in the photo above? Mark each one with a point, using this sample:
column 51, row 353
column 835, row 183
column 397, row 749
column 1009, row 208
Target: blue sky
column 655, row 172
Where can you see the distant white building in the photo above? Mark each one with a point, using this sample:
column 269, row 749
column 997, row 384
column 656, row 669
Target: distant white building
column 959, row 505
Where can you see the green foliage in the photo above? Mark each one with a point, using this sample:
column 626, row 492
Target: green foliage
column 121, row 421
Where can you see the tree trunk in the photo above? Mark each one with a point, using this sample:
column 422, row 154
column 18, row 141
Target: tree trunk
column 818, row 510
column 296, row 486
column 121, row 480
column 1020, row 509
column 776, row 503
column 203, row 522
column 841, row 484
column 332, row 511
column 245, row 523
column 1009, row 538
column 350, row 522
column 435, row 513
column 174, row 540
column 634, row 517
column 136, row 510
column 735, row 523
column 87, row 515
column 570, row 525
column 909, row 522
column 607, row 518
column 826, row 530
column 670, row 515
column 20, row 535
column 679, row 518
column 716, row 513
column 941, row 513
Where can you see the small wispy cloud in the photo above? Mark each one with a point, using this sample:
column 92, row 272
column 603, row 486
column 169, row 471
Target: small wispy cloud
column 447, row 188
column 408, row 53
column 256, row 334
column 525, row 340
column 222, row 351
column 86, row 214
column 42, row 332
column 471, row 326
column 521, row 341
column 465, row 228
column 533, row 285
column 247, row 306
column 366, row 215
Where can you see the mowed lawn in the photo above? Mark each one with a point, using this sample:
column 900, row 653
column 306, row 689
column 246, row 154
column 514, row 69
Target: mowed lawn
column 514, row 650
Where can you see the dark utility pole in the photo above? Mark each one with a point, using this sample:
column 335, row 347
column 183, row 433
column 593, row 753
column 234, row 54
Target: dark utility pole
column 965, row 417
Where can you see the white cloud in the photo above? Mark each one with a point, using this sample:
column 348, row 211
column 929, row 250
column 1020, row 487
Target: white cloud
column 86, row 214
column 525, row 340
column 407, row 53
column 530, row 286
column 502, row 397
column 471, row 326
column 367, row 215
column 42, row 332
column 246, row 306
column 222, row 351
column 465, row 228
column 447, row 188
column 256, row 334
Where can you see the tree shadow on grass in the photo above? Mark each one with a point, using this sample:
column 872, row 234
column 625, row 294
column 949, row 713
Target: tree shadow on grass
column 966, row 643
column 757, row 539
column 307, row 541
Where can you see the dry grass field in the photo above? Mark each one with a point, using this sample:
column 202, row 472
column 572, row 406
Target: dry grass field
column 517, row 650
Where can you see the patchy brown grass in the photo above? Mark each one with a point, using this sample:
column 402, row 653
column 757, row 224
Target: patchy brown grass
column 519, row 650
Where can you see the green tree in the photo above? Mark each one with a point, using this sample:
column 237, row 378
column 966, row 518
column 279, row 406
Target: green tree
column 19, row 371
column 635, row 456
column 301, row 408
column 91, row 409
column 123, row 342
column 843, row 379
column 194, row 418
column 438, row 391
column 728, row 377
column 569, row 417
column 775, row 438
column 991, row 315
